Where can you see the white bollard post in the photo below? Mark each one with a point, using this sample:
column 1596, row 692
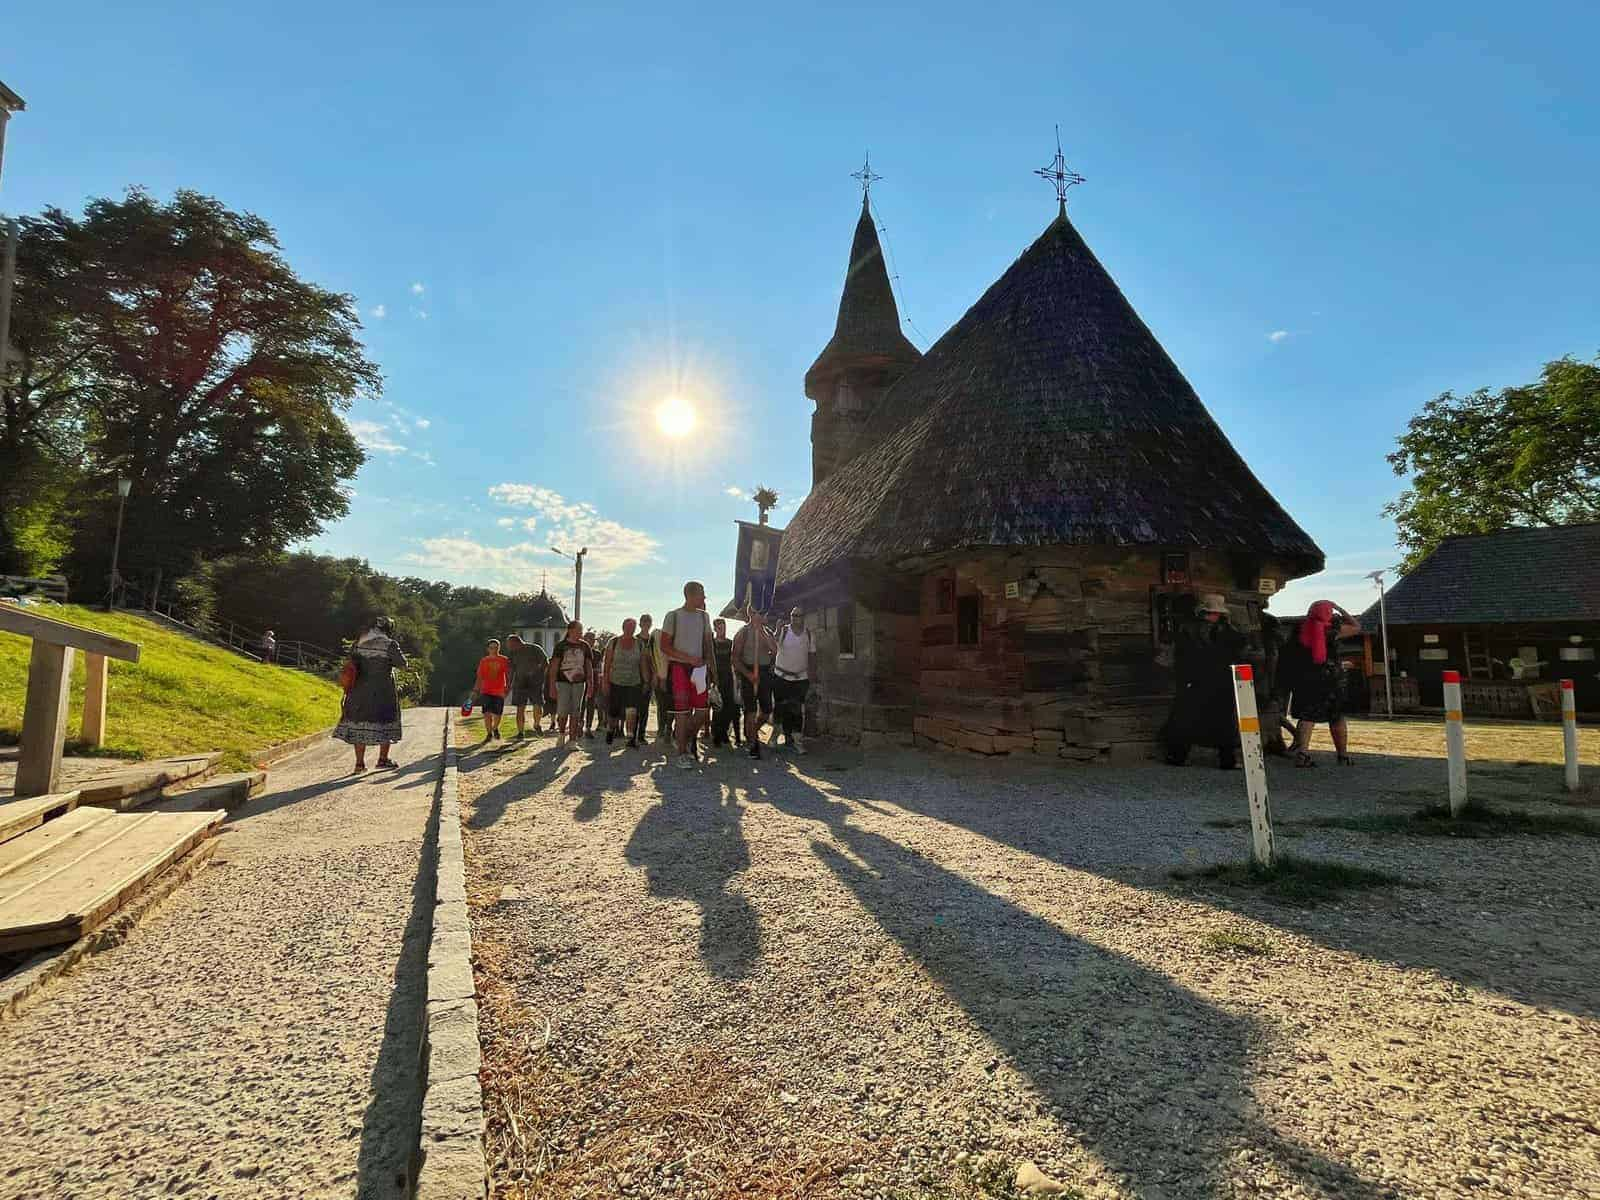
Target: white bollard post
column 1255, row 766
column 1569, row 732
column 1455, row 742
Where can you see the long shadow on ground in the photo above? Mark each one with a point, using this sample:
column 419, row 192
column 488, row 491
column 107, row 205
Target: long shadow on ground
column 1523, row 950
column 690, row 846
column 1036, row 990
column 393, row 1120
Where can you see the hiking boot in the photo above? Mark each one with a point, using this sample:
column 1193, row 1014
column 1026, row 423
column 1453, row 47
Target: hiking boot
column 633, row 743
column 755, row 748
column 684, row 763
column 799, row 744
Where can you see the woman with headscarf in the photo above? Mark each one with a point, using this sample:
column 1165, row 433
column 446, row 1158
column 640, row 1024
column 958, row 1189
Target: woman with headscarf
column 372, row 705
column 1308, row 667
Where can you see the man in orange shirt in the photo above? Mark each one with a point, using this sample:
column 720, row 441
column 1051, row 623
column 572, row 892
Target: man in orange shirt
column 492, row 683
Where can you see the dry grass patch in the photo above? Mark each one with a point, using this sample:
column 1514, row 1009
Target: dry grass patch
column 628, row 1118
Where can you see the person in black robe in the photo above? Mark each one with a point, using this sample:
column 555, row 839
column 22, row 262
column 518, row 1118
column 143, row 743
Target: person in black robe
column 1202, row 711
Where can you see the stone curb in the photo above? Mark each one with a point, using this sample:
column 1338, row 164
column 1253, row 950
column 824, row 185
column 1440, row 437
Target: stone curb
column 292, row 746
column 450, row 1162
column 21, row 989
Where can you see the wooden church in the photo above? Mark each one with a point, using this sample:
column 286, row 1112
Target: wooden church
column 1004, row 533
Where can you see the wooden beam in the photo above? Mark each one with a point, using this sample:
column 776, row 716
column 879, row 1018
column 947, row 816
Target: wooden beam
column 14, row 619
column 94, row 699
column 44, row 719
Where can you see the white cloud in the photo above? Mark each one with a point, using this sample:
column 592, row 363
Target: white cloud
column 417, row 289
column 376, row 436
column 422, row 313
column 379, row 312
column 423, row 423
column 736, row 492
column 612, row 546
column 506, row 522
column 1278, row 335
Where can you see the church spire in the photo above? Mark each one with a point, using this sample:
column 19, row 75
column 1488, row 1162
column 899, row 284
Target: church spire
column 867, row 352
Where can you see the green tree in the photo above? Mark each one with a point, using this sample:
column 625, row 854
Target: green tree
column 187, row 355
column 1522, row 456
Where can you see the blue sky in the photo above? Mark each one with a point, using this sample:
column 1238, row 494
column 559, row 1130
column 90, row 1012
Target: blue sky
column 554, row 217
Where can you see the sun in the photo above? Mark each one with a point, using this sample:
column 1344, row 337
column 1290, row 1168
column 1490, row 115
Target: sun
column 675, row 417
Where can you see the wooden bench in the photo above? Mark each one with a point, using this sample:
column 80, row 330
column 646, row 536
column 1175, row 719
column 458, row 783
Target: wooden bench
column 44, row 715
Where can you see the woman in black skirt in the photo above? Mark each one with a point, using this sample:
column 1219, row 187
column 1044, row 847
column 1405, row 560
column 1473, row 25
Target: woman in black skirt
column 1308, row 670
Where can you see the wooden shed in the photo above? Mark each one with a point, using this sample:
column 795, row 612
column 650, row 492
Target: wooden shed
column 1030, row 510
column 1514, row 611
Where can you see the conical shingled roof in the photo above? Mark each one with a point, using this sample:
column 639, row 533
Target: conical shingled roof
column 1048, row 415
column 867, row 332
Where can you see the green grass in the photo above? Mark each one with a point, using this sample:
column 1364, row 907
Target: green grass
column 1477, row 820
column 1222, row 941
column 182, row 697
column 1292, row 880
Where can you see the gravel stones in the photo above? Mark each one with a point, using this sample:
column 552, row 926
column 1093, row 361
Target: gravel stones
column 833, row 977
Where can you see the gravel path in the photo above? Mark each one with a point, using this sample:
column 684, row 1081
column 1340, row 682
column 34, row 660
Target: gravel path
column 258, row 1035
column 860, row 977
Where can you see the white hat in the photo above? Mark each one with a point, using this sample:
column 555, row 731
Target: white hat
column 1212, row 602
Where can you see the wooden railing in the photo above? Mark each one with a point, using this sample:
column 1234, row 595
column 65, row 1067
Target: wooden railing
column 244, row 640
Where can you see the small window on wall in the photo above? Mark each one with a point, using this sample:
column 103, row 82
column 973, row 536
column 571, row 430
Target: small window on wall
column 947, row 595
column 847, row 630
column 969, row 609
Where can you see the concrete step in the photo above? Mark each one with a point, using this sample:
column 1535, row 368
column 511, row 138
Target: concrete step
column 226, row 792
column 132, row 787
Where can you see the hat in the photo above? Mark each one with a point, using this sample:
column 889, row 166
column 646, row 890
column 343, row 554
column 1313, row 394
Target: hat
column 1212, row 602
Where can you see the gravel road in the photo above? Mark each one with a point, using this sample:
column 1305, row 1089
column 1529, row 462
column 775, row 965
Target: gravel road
column 258, row 1034
column 848, row 976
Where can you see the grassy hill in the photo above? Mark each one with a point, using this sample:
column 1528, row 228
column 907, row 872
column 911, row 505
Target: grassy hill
column 183, row 696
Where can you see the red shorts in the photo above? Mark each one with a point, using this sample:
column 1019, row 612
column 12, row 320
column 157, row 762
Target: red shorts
column 685, row 697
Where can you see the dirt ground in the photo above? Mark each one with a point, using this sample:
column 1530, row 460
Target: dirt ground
column 902, row 975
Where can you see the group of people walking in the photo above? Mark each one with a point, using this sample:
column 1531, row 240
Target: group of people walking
column 1305, row 682
column 699, row 680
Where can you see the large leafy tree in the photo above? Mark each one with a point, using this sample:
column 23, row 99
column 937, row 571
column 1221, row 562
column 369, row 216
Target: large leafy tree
column 1527, row 455
column 178, row 345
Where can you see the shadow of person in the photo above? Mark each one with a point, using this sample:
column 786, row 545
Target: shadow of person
column 605, row 769
column 1152, row 1078
column 690, row 846
column 1510, row 933
column 491, row 805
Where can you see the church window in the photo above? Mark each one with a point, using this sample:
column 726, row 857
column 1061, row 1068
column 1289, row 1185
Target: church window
column 969, row 609
column 847, row 630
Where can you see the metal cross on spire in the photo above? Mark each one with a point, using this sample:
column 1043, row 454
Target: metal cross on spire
column 866, row 178
column 1059, row 174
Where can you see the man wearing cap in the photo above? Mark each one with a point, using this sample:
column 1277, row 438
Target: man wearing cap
column 1202, row 711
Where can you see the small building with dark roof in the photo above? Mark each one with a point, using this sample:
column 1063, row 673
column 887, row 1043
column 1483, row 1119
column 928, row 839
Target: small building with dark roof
column 1002, row 534
column 1514, row 611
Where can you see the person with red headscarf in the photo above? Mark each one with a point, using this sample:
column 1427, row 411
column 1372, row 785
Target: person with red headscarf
column 1308, row 671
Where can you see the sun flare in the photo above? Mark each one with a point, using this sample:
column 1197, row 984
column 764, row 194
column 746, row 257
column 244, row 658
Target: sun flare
column 675, row 416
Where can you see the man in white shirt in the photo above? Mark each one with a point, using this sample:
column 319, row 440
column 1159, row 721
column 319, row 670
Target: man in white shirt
column 793, row 666
column 687, row 648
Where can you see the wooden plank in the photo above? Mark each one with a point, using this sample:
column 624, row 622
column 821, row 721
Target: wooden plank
column 94, row 699
column 44, row 718
column 62, row 903
column 20, row 815
column 56, row 832
column 62, row 633
column 131, row 787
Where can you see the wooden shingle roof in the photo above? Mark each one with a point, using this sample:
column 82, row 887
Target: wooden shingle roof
column 1516, row 575
column 867, row 332
column 1048, row 415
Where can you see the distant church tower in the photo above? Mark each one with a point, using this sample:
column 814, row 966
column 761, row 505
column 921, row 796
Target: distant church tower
column 866, row 355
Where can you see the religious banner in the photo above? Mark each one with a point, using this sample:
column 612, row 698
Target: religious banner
column 755, row 570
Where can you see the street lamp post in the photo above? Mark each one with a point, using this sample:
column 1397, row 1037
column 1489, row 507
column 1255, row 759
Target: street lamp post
column 577, row 580
column 1383, row 624
column 124, row 486
column 10, row 102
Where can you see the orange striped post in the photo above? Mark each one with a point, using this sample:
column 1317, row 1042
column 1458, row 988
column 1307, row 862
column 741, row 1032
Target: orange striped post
column 1455, row 742
column 1262, row 849
column 1569, row 732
